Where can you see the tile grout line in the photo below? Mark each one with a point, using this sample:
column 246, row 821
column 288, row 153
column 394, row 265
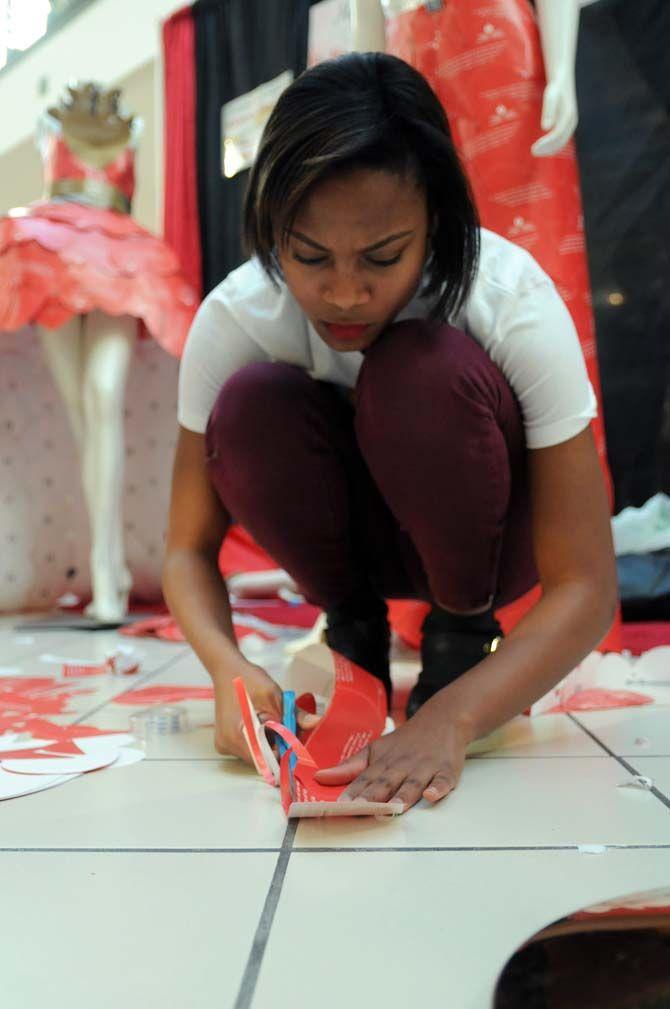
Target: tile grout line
column 484, row 851
column 252, row 970
column 142, row 851
column 621, row 760
column 325, row 850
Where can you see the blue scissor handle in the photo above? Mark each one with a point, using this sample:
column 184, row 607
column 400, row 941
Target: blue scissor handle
column 290, row 721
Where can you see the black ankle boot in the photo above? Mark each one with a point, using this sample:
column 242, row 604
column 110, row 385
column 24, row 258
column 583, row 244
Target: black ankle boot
column 359, row 630
column 451, row 645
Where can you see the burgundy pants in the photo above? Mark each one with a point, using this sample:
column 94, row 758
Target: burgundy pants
column 420, row 488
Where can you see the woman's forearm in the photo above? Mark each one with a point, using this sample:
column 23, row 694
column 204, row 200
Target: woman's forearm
column 550, row 641
column 198, row 599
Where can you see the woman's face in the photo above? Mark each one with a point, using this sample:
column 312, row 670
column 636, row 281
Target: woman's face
column 356, row 253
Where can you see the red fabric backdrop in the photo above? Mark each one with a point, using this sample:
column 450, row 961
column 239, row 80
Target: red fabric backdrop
column 180, row 203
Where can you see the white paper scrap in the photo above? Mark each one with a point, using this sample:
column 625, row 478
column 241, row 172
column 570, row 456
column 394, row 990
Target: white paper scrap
column 18, row 741
column 62, row 661
column 128, row 755
column 639, row 781
column 93, row 744
column 14, row 785
column 68, row 600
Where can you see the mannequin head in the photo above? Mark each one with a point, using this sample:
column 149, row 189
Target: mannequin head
column 92, row 121
column 356, row 150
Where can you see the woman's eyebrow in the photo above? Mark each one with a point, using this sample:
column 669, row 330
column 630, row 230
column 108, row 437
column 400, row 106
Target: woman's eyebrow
column 370, row 248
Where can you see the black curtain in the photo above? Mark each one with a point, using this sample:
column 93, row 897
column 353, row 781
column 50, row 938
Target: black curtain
column 623, row 138
column 240, row 44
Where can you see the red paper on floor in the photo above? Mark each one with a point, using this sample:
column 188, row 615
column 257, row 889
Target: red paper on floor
column 147, row 696
column 275, row 612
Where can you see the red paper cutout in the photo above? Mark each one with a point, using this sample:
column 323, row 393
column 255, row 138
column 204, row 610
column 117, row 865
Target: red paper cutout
column 72, row 670
column 162, row 626
column 601, row 699
column 281, row 613
column 40, row 728
column 23, row 696
column 63, row 748
column 165, row 695
column 273, row 611
column 242, row 632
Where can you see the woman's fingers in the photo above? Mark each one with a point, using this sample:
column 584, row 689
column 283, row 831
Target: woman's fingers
column 443, row 782
column 395, row 783
column 378, row 784
column 346, row 771
column 307, row 721
column 414, row 784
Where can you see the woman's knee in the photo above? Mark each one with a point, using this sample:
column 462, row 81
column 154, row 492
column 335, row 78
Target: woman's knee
column 423, row 386
column 252, row 403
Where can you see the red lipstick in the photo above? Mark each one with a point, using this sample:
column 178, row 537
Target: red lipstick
column 346, row 332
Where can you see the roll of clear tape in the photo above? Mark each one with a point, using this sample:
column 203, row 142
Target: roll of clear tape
column 161, row 720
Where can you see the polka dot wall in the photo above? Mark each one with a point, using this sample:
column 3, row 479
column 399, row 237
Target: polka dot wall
column 44, row 538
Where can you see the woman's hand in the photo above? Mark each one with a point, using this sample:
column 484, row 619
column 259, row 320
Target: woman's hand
column 424, row 757
column 266, row 698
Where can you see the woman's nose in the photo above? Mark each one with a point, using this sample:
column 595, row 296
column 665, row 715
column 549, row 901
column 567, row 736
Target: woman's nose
column 346, row 295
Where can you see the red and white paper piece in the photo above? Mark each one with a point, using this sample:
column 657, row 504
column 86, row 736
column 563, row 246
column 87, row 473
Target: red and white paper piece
column 124, row 661
column 610, row 681
column 353, row 710
column 164, row 694
column 31, row 765
column 26, row 697
column 66, row 763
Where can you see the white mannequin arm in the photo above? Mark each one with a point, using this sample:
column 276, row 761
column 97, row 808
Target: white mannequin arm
column 558, row 21
column 367, row 26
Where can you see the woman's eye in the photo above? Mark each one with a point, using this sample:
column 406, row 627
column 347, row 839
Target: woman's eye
column 309, row 262
column 322, row 259
column 385, row 262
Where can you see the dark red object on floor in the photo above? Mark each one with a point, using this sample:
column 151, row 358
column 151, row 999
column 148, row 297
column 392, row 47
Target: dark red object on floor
column 639, row 638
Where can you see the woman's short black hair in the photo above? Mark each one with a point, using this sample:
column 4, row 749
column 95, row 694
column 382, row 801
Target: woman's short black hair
column 364, row 110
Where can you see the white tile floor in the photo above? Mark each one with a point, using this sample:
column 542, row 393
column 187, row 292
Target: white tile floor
column 177, row 881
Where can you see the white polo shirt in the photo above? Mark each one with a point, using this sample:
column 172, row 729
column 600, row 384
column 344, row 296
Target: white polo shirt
column 513, row 311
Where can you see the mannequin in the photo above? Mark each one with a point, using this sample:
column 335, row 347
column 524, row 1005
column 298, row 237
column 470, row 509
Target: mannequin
column 557, row 21
column 84, row 273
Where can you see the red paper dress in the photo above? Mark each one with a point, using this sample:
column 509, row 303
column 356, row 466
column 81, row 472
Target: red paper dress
column 81, row 250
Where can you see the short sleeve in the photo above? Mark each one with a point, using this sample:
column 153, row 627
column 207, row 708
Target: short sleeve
column 537, row 348
column 215, row 349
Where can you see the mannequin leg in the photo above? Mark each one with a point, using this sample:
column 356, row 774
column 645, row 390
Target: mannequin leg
column 108, row 348
column 63, row 353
